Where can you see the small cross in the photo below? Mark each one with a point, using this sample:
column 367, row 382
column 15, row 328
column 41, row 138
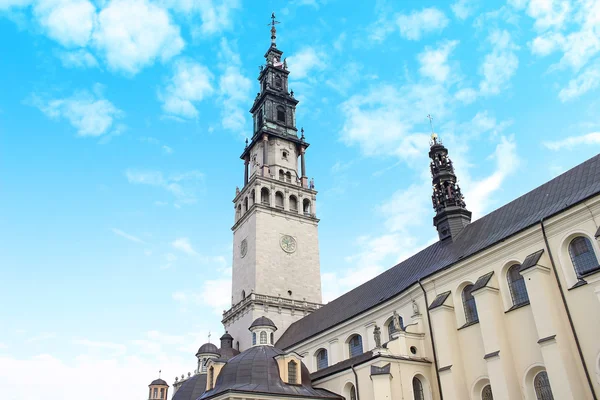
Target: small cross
column 430, row 121
column 273, row 22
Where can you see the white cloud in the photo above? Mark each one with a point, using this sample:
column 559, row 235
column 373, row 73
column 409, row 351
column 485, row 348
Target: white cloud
column 216, row 15
column 499, row 65
column 215, row 293
column 134, row 33
column 127, row 236
column 234, row 90
column 167, row 149
column 183, row 186
column 183, row 244
column 466, row 95
column 434, row 61
column 77, row 59
column 573, row 141
column 117, row 348
column 88, row 112
column 69, row 22
column 41, row 337
column 549, row 13
column 347, row 76
column 8, row 4
column 587, row 80
column 305, row 61
column 463, row 9
column 414, row 25
column 547, row 43
column 190, row 83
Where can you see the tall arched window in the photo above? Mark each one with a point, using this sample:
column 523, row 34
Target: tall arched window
column 322, row 361
column 292, row 372
column 486, row 393
column 263, row 337
column 253, row 338
column 288, row 177
column 418, row 389
column 264, row 196
column 541, row 384
column 238, row 213
column 306, row 206
column 469, row 305
column 278, row 82
column 211, row 377
column 246, row 204
column 279, row 200
column 293, row 203
column 280, row 114
column 582, row 255
column 352, row 392
column 243, row 294
column 516, row 284
column 355, row 346
column 281, row 175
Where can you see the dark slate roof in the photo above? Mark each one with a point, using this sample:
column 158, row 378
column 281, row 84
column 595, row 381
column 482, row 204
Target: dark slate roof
column 531, row 260
column 159, row 382
column 342, row 365
column 482, row 281
column 560, row 193
column 191, row 389
column 263, row 321
column 256, row 371
column 439, row 300
column 208, row 348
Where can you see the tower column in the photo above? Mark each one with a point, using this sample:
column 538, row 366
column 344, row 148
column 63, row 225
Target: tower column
column 265, row 140
column 246, row 162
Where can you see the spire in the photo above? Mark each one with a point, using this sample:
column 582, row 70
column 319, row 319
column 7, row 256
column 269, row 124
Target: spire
column 448, row 202
column 273, row 30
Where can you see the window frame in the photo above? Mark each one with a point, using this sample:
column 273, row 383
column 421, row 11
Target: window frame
column 580, row 271
column 471, row 315
column 319, row 358
column 351, row 346
column 514, row 285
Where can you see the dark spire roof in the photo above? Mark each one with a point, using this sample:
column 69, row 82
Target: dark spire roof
column 553, row 197
column 159, row 382
column 256, row 370
column 227, row 351
column 208, row 348
column 448, row 202
column 263, row 321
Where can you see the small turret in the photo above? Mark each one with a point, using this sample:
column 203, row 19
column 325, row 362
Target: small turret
column 158, row 389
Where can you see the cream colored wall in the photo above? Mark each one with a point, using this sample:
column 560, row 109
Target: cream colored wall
column 515, row 331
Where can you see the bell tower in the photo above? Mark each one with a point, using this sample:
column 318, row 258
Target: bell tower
column 448, row 202
column 276, row 269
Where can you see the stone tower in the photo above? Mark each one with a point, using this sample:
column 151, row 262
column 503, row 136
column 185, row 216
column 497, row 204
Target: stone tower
column 276, row 270
column 448, row 202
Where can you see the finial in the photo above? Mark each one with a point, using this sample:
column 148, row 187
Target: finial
column 292, row 93
column 159, row 372
column 209, row 335
column 273, row 30
column 302, row 131
column 434, row 136
column 246, row 142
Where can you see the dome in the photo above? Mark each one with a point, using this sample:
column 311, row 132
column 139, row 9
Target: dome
column 192, row 388
column 263, row 321
column 208, row 348
column 159, row 382
column 226, row 336
column 256, row 370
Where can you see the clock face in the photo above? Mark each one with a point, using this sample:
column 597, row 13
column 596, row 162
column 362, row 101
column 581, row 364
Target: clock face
column 243, row 248
column 288, row 243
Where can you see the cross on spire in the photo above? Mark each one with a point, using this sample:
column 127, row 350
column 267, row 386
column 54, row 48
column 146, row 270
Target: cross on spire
column 209, row 335
column 273, row 29
column 430, row 118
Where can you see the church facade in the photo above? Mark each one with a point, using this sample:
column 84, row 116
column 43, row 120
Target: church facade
column 504, row 307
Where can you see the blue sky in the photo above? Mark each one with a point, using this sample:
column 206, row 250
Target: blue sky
column 122, row 122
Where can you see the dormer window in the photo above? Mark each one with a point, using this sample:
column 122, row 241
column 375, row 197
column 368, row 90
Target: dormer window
column 292, row 372
column 280, row 114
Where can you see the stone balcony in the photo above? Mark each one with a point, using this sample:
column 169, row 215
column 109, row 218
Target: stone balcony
column 255, row 299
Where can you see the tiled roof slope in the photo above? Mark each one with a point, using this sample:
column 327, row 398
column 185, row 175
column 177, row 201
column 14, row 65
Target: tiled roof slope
column 574, row 186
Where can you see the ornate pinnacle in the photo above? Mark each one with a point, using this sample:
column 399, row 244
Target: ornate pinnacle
column 273, row 30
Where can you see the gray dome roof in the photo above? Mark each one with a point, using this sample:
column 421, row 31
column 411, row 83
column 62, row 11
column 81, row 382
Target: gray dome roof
column 192, row 388
column 256, row 370
column 159, row 382
column 263, row 321
column 226, row 336
column 208, row 348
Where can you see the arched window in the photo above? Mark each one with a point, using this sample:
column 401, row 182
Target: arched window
column 469, row 305
column 253, row 197
column 284, row 154
column 264, row 196
column 278, row 83
column 293, row 203
column 582, row 255
column 322, row 361
column 280, row 114
column 392, row 328
column 279, row 200
column 516, row 284
column 292, row 372
column 281, row 175
column 355, row 346
column 272, row 338
column 253, row 338
column 418, row 389
column 211, row 377
column 288, row 177
column 162, row 393
column 246, row 204
column 306, row 206
column 263, row 337
column 486, row 393
column 541, row 383
column 155, row 393
column 352, row 391
column 259, row 119
column 243, row 294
